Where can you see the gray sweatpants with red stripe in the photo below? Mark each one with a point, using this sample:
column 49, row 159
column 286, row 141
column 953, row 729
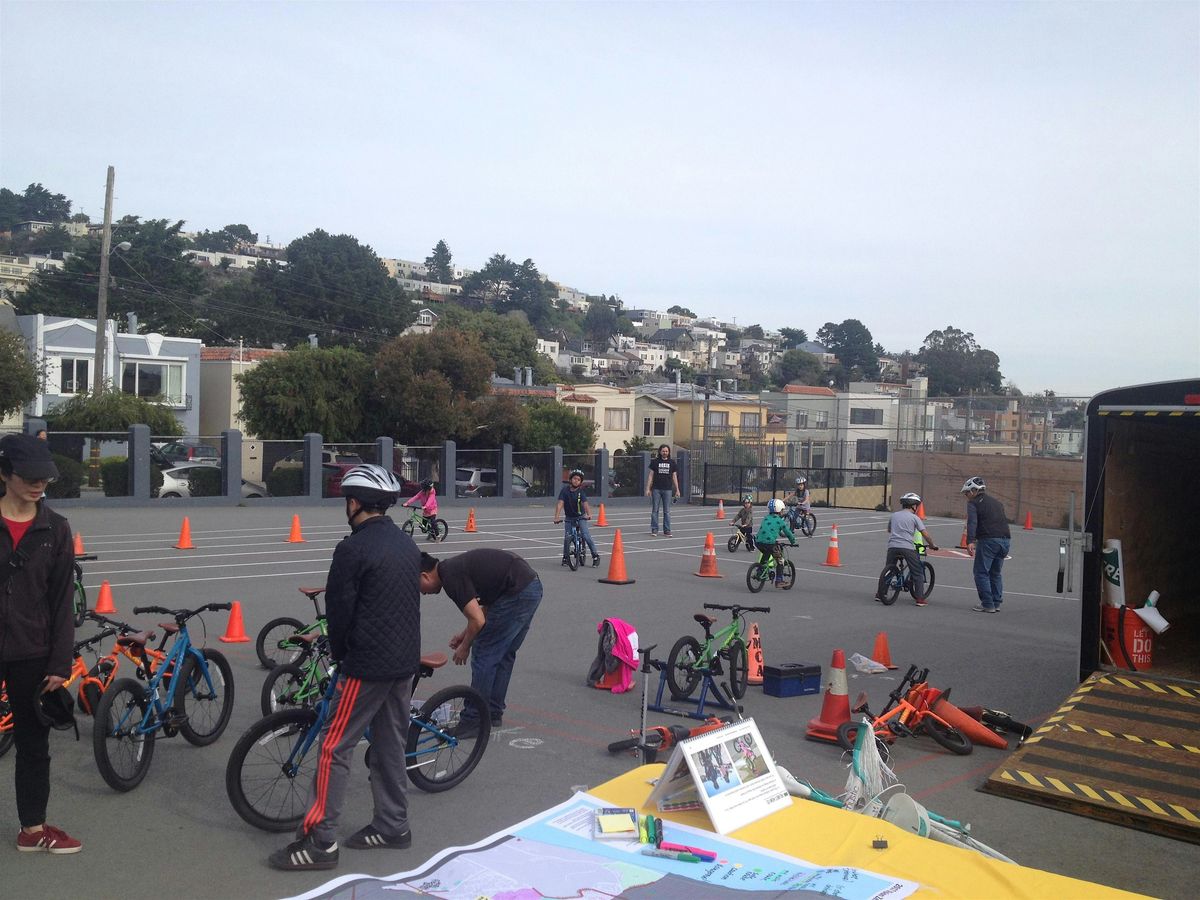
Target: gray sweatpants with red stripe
column 383, row 706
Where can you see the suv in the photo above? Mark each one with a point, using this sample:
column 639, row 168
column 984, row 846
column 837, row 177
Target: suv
column 186, row 450
column 478, row 482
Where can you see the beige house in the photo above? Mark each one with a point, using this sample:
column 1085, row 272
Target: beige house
column 654, row 420
column 611, row 408
column 221, row 398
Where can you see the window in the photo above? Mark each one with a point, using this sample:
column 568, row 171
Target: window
column 802, row 419
column 646, row 426
column 150, row 379
column 718, row 419
column 750, row 421
column 823, row 419
column 874, row 450
column 74, row 378
column 616, row 419
column 586, row 411
column 866, row 416
column 660, row 426
column 818, row 457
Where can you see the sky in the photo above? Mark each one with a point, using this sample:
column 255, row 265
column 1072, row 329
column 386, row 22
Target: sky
column 1028, row 172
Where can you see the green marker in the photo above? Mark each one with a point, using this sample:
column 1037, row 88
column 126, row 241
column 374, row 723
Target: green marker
column 671, row 854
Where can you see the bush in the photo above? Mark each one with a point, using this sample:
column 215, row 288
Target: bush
column 70, row 476
column 286, row 482
column 204, row 482
column 114, row 475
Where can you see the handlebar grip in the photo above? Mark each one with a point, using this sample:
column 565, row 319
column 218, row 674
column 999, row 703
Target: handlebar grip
column 219, row 606
column 84, row 557
column 142, row 610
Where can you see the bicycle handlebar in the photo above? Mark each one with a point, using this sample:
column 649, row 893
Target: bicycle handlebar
column 182, row 615
column 95, row 638
column 736, row 609
column 85, row 557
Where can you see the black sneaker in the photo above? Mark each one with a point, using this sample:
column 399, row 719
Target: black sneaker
column 304, row 855
column 566, row 562
column 465, row 729
column 370, row 839
column 595, row 562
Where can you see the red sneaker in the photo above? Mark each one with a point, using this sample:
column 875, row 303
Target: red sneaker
column 51, row 839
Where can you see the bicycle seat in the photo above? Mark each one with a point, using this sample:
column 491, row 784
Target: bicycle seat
column 704, row 619
column 312, row 593
column 433, row 660
column 169, row 627
column 136, row 638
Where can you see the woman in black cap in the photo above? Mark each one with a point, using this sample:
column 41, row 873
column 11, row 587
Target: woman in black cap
column 36, row 624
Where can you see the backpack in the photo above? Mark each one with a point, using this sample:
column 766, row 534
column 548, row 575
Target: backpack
column 615, row 664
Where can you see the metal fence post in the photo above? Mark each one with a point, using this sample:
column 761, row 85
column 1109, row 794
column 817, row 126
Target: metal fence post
column 385, row 453
column 600, row 473
column 313, row 471
column 448, row 465
column 684, row 474
column 504, row 473
column 139, row 462
column 231, row 463
column 644, row 474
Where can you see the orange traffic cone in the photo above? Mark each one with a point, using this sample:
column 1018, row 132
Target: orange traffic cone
column 78, row 544
column 921, row 510
column 708, row 559
column 616, row 565
column 756, row 656
column 962, row 541
column 882, row 654
column 185, row 536
column 1028, row 524
column 295, row 537
column 720, row 509
column 104, row 603
column 601, row 520
column 975, row 730
column 836, row 708
column 235, row 631
column 470, row 527
column 833, row 557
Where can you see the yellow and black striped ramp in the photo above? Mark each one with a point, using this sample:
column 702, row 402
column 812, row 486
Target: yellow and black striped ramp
column 1122, row 748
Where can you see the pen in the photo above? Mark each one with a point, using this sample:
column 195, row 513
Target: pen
column 643, row 831
column 671, row 854
column 651, row 830
column 707, row 855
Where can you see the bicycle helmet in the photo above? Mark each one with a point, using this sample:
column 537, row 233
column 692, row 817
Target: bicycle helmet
column 427, row 484
column 748, row 499
column 910, row 499
column 775, row 505
column 801, row 481
column 575, row 472
column 371, row 485
column 55, row 709
column 974, row 483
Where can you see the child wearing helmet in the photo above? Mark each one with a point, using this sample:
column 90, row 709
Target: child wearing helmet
column 905, row 532
column 798, row 502
column 744, row 520
column 426, row 498
column 769, row 532
column 572, row 500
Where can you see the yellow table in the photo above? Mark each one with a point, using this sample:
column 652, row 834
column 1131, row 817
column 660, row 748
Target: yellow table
column 826, row 836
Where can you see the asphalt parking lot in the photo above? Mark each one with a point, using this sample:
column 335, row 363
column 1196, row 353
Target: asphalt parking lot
column 177, row 831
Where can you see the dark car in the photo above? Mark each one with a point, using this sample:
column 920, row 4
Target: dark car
column 186, row 450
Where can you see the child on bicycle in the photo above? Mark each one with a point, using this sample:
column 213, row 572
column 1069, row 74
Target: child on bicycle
column 573, row 500
column 426, row 498
column 744, row 521
column 767, row 539
column 798, row 502
column 905, row 530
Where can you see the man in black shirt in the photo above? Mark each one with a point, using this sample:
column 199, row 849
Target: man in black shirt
column 498, row 592
column 988, row 540
column 663, row 488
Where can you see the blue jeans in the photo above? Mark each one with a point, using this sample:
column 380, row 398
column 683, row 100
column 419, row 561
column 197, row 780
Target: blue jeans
column 570, row 526
column 661, row 498
column 989, row 560
column 495, row 647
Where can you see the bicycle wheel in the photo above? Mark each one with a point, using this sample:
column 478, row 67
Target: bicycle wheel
column 682, row 676
column 281, row 688
column 122, row 754
column 440, row 530
column 578, row 553
column 407, row 527
column 437, row 762
column 739, row 668
column 891, row 580
column 757, row 576
column 80, row 604
column 267, row 778
column 930, row 578
column 732, row 544
column 572, row 557
column 808, row 525
column 207, row 708
column 787, row 574
column 269, row 647
column 947, row 736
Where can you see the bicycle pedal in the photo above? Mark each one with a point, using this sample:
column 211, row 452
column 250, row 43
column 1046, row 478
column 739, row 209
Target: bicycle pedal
column 175, row 720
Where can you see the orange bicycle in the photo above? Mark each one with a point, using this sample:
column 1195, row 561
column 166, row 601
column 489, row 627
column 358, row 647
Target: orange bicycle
column 907, row 714
column 130, row 643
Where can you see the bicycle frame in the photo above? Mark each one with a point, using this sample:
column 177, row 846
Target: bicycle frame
column 418, row 519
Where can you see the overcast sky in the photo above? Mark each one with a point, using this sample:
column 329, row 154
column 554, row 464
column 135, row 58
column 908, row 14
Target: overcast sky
column 1028, row 172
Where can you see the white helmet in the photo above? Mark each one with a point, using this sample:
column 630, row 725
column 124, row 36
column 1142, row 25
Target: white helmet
column 910, row 499
column 371, row 485
column 974, row 483
column 775, row 506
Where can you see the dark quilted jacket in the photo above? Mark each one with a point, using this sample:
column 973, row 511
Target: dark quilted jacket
column 373, row 602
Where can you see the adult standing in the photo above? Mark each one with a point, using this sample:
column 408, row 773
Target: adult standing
column 37, row 629
column 499, row 593
column 988, row 540
column 373, row 612
column 663, row 488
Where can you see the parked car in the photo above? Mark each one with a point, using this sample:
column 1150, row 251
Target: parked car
column 329, row 457
column 178, row 482
column 473, row 481
column 187, row 450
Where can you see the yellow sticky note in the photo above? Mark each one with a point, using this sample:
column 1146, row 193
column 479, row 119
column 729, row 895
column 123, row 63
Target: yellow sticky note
column 616, row 824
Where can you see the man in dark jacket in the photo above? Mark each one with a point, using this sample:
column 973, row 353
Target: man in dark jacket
column 36, row 625
column 987, row 541
column 374, row 619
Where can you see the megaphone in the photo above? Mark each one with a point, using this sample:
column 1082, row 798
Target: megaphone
column 1152, row 617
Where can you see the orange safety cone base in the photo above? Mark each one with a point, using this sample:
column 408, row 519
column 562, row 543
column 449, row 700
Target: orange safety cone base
column 616, row 564
column 295, row 537
column 976, row 731
column 708, row 560
column 235, row 631
column 104, row 603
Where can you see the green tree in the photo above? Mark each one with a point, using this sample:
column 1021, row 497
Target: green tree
column 955, row 364
column 35, row 204
column 214, row 241
column 600, row 323
column 753, row 331
column 494, row 283
column 851, row 342
column 553, row 423
column 681, row 311
column 20, row 376
column 533, row 294
column 441, row 268
column 326, row 390
column 242, row 233
column 52, row 242
column 494, row 420
column 113, row 410
column 793, row 337
column 508, row 339
column 638, row 444
column 798, row 367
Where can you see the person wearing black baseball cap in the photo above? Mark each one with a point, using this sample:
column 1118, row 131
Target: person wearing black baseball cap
column 36, row 625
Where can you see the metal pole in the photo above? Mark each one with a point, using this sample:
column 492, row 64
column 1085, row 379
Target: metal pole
column 102, row 298
column 1071, row 544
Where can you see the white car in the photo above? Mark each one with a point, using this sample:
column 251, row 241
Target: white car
column 177, row 482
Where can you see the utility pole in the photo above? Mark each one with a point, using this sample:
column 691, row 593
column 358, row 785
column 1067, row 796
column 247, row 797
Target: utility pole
column 102, row 299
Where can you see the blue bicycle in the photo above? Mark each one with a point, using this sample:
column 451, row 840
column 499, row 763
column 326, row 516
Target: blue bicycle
column 576, row 549
column 190, row 693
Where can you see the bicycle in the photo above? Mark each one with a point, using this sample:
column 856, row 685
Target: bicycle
column 302, row 682
column 278, row 641
column 804, row 521
column 739, row 539
column 271, row 767
column 688, row 656
column 436, row 532
column 897, row 577
column 907, row 714
column 190, row 693
column 576, row 550
column 79, row 604
column 782, row 571
column 96, row 680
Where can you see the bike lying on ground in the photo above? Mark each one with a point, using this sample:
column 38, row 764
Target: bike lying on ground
column 907, row 714
column 689, row 657
column 898, row 577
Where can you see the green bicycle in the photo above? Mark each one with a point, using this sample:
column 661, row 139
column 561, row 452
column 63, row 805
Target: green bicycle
column 79, row 605
column 301, row 683
column 689, row 658
column 778, row 568
column 416, row 523
column 278, row 642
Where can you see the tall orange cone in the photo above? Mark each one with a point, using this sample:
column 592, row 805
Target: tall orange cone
column 833, row 556
column 882, row 653
column 836, row 708
column 470, row 527
column 104, row 603
column 601, row 520
column 720, row 509
column 1028, row 522
column 756, row 656
column 185, row 536
column 708, row 559
column 78, row 544
column 921, row 510
column 295, row 537
column 962, row 541
column 235, row 631
column 616, row 565
column 972, row 728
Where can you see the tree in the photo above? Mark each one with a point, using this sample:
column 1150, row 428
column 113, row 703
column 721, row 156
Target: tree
column 52, row 242
column 20, row 376
column 754, row 331
column 798, row 367
column 681, row 311
column 955, row 364
column 214, row 241
column 638, row 444
column 793, row 337
column 553, row 423
column 440, row 265
column 113, row 410
column 851, row 342
column 35, row 204
column 600, row 323
column 242, row 233
column 327, row 391
column 508, row 339
column 494, row 283
column 494, row 420
column 533, row 294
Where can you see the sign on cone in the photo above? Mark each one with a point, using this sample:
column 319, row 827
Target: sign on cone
column 235, row 631
column 756, row 656
column 708, row 560
column 833, row 556
column 616, row 565
column 836, row 707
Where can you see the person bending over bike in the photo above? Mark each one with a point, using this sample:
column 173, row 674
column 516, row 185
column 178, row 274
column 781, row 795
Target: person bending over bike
column 426, row 498
column 769, row 532
column 573, row 500
column 903, row 528
column 798, row 502
column 744, row 521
